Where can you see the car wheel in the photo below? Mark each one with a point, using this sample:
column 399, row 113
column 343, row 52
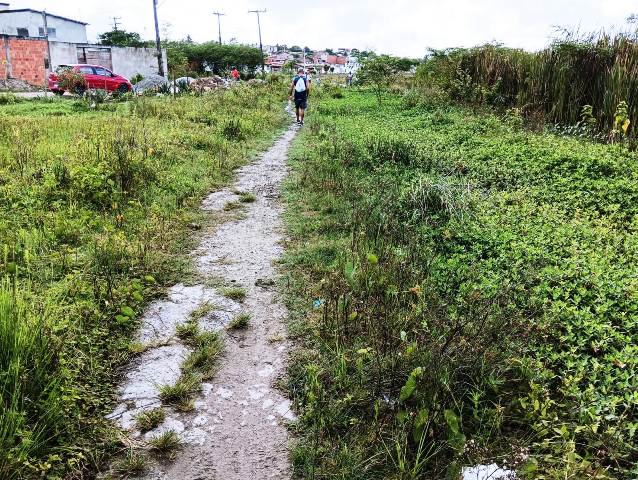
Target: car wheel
column 123, row 88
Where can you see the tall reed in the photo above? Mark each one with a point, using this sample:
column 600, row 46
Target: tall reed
column 600, row 70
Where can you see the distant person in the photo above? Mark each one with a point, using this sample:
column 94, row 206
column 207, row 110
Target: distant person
column 350, row 77
column 235, row 73
column 299, row 90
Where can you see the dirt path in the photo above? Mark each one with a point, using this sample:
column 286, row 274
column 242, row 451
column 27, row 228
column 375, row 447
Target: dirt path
column 237, row 430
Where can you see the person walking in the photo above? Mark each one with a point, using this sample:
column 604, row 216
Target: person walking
column 299, row 90
column 235, row 74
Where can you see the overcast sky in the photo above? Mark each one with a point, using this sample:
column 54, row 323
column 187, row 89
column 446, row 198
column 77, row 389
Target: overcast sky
column 402, row 27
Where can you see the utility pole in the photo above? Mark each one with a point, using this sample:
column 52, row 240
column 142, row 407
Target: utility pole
column 158, row 42
column 115, row 25
column 219, row 25
column 46, row 36
column 263, row 68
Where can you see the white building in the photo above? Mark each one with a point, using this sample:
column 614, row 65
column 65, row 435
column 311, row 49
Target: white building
column 26, row 22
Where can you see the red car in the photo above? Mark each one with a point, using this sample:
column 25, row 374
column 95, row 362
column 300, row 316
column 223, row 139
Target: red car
column 97, row 77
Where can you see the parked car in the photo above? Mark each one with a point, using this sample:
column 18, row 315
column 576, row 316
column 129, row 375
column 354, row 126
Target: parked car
column 96, row 76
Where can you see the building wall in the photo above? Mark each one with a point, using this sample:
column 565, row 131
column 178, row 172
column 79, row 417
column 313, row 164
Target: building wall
column 66, row 31
column 128, row 61
column 26, row 56
column 63, row 53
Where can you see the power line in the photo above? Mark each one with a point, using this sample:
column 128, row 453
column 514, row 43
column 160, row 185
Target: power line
column 219, row 25
column 263, row 68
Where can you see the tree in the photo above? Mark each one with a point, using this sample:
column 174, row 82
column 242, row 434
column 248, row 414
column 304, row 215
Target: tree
column 216, row 57
column 296, row 48
column 122, row 38
column 379, row 71
column 290, row 66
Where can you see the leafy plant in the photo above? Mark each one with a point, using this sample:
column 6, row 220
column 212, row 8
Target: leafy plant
column 71, row 81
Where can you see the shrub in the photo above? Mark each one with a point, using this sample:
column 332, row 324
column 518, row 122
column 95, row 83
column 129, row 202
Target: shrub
column 72, row 81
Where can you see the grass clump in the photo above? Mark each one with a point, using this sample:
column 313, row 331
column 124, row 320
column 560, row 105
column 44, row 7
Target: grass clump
column 240, row 322
column 181, row 391
column 150, row 419
column 133, row 464
column 234, row 293
column 202, row 362
column 246, row 197
column 230, row 206
column 187, row 332
column 202, row 311
column 166, row 444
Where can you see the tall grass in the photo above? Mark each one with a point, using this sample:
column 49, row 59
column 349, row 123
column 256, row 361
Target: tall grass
column 600, row 70
column 30, row 410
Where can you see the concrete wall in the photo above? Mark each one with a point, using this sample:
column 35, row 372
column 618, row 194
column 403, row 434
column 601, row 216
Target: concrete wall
column 66, row 31
column 63, row 54
column 128, row 61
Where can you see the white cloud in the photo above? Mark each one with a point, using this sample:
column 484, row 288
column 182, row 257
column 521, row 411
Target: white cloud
column 405, row 27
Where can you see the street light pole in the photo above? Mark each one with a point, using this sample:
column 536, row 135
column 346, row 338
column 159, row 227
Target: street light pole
column 261, row 48
column 219, row 25
column 158, row 42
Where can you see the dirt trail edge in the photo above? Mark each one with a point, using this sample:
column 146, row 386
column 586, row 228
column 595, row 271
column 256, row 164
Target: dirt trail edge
column 237, row 430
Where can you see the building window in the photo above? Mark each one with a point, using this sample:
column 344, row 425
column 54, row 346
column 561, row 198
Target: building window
column 23, row 32
column 52, row 32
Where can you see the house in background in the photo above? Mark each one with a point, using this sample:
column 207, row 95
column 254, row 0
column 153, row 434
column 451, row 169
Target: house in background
column 26, row 22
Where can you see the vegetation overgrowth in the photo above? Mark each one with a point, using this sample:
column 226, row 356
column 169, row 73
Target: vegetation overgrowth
column 464, row 291
column 186, row 57
column 554, row 85
column 95, row 208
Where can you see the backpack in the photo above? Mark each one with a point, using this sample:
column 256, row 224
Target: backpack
column 300, row 84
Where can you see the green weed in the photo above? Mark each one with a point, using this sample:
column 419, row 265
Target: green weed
column 182, row 390
column 202, row 361
column 247, row 197
column 134, row 464
column 150, row 419
column 234, row 293
column 240, row 322
column 166, row 443
column 202, row 311
column 230, row 206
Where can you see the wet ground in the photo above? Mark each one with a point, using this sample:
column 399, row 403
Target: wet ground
column 238, row 428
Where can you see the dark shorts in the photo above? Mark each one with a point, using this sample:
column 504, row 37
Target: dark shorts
column 301, row 101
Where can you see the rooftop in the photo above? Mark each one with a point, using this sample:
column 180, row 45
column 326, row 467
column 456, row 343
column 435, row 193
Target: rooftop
column 18, row 10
